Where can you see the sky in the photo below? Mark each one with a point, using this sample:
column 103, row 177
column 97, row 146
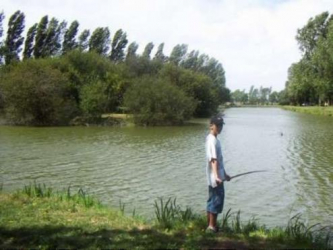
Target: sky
column 253, row 39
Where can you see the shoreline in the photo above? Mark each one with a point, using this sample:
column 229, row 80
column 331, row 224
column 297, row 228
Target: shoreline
column 39, row 217
column 313, row 110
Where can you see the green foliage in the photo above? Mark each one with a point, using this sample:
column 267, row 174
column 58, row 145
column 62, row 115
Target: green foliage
column 147, row 51
column 85, row 69
column 311, row 79
column 325, row 111
column 14, row 39
column 53, row 38
column 197, row 85
column 28, row 45
column 119, row 43
column 168, row 213
column 178, row 54
column 46, row 218
column 83, row 40
column 35, row 94
column 99, row 41
column 69, row 42
column 41, row 37
column 239, row 96
column 95, row 98
column 157, row 102
column 37, row 190
column 159, row 56
column 2, row 17
column 96, row 81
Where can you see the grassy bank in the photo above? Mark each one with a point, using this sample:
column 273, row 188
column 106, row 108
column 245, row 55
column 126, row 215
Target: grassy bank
column 38, row 217
column 314, row 110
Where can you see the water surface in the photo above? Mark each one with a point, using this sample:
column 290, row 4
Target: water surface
column 138, row 165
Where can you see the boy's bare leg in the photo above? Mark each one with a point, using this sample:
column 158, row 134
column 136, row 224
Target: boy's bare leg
column 208, row 218
column 212, row 220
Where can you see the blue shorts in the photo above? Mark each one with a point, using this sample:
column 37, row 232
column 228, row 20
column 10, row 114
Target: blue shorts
column 215, row 199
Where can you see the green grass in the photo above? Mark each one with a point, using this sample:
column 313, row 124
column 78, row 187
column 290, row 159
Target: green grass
column 315, row 110
column 39, row 217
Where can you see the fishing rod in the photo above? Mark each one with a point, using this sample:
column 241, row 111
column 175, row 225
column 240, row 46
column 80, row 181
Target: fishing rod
column 251, row 172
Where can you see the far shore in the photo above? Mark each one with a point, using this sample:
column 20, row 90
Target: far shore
column 314, row 110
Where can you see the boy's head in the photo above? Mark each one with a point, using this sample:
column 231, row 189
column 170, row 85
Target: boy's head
column 216, row 124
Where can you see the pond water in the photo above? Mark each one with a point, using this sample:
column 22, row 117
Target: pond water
column 138, row 165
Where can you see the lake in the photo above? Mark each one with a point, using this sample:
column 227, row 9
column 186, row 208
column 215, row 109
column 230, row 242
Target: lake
column 137, row 165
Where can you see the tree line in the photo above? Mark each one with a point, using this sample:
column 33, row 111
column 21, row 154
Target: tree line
column 256, row 96
column 56, row 73
column 310, row 80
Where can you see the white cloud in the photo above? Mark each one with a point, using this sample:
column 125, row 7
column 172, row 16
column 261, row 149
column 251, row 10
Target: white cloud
column 254, row 39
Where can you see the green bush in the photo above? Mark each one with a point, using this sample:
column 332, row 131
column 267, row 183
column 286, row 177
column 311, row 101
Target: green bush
column 85, row 69
column 35, row 93
column 157, row 102
column 95, row 98
column 197, row 85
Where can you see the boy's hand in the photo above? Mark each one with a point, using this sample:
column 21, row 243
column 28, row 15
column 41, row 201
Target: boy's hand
column 227, row 177
column 218, row 181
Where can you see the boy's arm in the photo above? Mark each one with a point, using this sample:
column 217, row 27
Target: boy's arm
column 215, row 167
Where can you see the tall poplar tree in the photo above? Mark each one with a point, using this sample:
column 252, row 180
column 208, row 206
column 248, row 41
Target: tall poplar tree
column 118, row 45
column 100, row 40
column 29, row 42
column 2, row 17
column 53, row 38
column 147, row 51
column 131, row 50
column 84, row 40
column 159, row 53
column 41, row 37
column 70, row 42
column 14, row 39
column 178, row 54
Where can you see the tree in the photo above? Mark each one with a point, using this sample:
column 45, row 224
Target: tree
column 147, row 51
column 94, row 98
column 29, row 42
column 178, row 54
column 41, row 37
column 239, row 96
column 253, row 95
column 274, row 97
column 308, row 36
column 14, row 38
column 197, row 85
column 53, row 39
column 214, row 70
column 131, row 50
column 118, row 46
column 70, row 42
column 158, row 102
column 2, row 17
column 159, row 56
column 35, row 93
column 264, row 94
column 84, row 40
column 99, row 41
column 191, row 60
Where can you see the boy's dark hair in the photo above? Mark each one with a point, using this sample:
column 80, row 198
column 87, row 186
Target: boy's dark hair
column 217, row 120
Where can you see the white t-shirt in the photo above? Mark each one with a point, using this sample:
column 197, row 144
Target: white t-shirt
column 213, row 151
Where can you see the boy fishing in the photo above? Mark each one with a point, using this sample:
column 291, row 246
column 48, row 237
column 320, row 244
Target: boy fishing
column 215, row 173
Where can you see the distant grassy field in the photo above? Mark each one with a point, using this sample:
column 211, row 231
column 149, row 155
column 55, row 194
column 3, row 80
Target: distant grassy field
column 38, row 217
column 315, row 110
